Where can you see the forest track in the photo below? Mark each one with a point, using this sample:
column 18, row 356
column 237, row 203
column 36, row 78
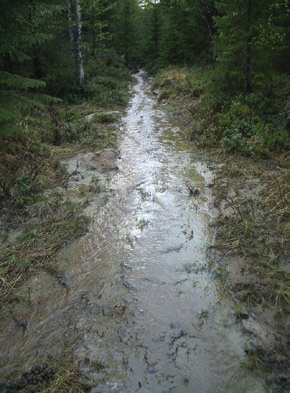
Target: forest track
column 143, row 308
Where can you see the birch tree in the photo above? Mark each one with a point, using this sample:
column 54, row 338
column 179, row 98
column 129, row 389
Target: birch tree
column 81, row 74
column 69, row 18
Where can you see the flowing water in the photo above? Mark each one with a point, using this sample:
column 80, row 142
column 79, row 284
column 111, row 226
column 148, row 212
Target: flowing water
column 139, row 307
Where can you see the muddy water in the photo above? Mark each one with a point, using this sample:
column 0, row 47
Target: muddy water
column 138, row 305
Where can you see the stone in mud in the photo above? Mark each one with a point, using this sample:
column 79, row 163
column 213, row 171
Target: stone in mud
column 130, row 286
column 151, row 369
column 193, row 191
column 106, row 117
column 162, row 336
column 103, row 161
column 122, row 334
column 251, row 326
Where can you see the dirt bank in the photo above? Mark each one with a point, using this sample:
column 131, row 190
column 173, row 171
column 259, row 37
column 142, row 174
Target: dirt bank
column 251, row 250
column 252, row 245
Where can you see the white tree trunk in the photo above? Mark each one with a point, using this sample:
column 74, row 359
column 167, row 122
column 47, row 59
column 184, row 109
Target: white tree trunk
column 79, row 43
column 69, row 18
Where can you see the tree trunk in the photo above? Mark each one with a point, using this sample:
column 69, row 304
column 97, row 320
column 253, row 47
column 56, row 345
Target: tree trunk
column 36, row 59
column 7, row 62
column 247, row 85
column 156, row 30
column 214, row 54
column 93, row 28
column 79, row 44
column 69, row 18
column 36, row 64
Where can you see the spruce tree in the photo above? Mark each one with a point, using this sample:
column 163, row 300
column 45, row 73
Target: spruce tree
column 21, row 34
column 245, row 45
column 180, row 31
column 127, row 28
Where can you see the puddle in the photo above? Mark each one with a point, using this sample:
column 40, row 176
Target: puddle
column 136, row 294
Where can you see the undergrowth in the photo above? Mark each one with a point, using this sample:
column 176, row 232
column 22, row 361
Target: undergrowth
column 254, row 125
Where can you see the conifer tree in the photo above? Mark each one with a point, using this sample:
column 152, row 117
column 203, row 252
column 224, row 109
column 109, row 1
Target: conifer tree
column 126, row 27
column 21, row 34
column 180, row 31
column 245, row 45
column 95, row 14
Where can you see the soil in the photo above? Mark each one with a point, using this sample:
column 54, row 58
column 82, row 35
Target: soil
column 253, row 264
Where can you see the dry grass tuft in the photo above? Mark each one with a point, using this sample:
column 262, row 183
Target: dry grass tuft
column 37, row 246
column 68, row 380
column 254, row 223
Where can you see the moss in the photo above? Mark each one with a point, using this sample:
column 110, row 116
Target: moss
column 106, row 117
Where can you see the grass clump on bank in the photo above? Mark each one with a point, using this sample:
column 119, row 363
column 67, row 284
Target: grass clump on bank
column 254, row 224
column 68, row 379
column 55, row 225
column 60, row 376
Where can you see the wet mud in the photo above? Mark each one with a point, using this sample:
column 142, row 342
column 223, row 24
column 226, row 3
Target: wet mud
column 137, row 303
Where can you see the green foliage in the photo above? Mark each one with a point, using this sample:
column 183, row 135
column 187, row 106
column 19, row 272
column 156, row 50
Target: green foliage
column 61, row 78
column 25, row 190
column 248, row 33
column 240, row 127
column 104, row 118
column 16, row 82
column 108, row 80
column 13, row 105
column 253, row 124
column 24, row 28
column 178, row 32
column 127, row 31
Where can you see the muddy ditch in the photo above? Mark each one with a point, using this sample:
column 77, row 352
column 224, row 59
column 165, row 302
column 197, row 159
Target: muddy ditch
column 179, row 281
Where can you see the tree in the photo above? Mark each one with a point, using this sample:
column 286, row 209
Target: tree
column 245, row 38
column 69, row 18
column 179, row 31
column 81, row 74
column 22, row 32
column 95, row 15
column 127, row 27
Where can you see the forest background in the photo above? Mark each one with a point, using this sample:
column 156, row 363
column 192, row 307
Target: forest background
column 69, row 51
